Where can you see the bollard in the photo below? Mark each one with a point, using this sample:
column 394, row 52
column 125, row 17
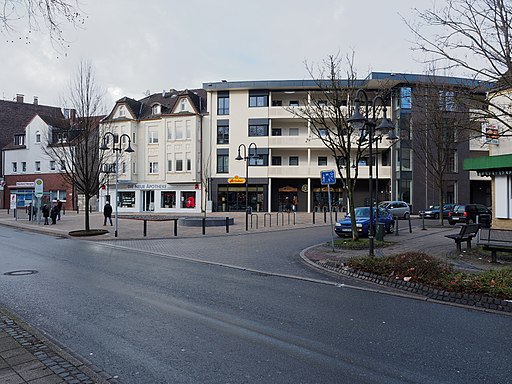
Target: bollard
column 288, row 218
column 269, row 219
column 227, row 224
column 325, row 216
column 396, row 225
column 294, row 217
column 313, row 217
column 204, row 225
column 145, row 230
column 282, row 218
column 175, row 227
column 336, row 215
column 410, row 224
column 422, row 222
column 254, row 214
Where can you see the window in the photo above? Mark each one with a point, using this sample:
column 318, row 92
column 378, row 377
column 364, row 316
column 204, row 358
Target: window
column 153, row 167
column 222, row 163
column 179, row 165
column 189, row 162
column 121, row 111
column 38, row 166
column 341, row 161
column 19, row 139
column 156, row 109
column 169, row 165
column 58, row 195
column 276, row 160
column 52, row 165
column 15, row 167
column 62, row 165
column 126, row 199
column 153, row 136
column 258, row 99
column 293, row 161
column 123, row 167
column 258, row 127
column 277, row 103
column 133, row 138
column 188, row 199
column 294, row 103
column 452, row 162
column 322, row 160
column 222, row 131
column 188, row 129
column 183, row 105
column 293, row 131
column 178, row 130
column 223, row 103
column 168, row 199
column 322, row 132
column 276, row 132
column 169, row 131
column 23, row 166
column 38, row 137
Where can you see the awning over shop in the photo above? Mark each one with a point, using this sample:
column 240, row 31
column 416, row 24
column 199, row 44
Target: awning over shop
column 490, row 165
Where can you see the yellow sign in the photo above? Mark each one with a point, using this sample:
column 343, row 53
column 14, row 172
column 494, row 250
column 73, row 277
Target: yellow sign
column 236, row 180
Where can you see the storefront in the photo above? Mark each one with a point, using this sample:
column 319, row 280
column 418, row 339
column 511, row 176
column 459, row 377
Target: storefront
column 155, row 197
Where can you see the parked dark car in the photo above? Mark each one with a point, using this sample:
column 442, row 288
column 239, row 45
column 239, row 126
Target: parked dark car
column 469, row 213
column 344, row 227
column 433, row 211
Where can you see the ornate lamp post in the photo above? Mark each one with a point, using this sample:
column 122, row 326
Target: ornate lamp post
column 117, row 148
column 246, row 157
column 368, row 127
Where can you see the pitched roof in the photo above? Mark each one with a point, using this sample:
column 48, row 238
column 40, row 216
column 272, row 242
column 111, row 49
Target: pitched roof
column 142, row 109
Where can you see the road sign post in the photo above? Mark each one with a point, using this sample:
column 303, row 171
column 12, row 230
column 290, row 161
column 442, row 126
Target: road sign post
column 328, row 178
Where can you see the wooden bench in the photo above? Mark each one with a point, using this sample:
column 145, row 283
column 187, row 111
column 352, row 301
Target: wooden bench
column 466, row 233
column 495, row 240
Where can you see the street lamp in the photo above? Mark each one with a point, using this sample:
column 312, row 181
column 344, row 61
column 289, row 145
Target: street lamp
column 369, row 127
column 116, row 148
column 246, row 157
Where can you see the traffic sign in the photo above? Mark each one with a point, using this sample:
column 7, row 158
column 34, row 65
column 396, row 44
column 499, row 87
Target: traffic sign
column 38, row 187
column 327, row 177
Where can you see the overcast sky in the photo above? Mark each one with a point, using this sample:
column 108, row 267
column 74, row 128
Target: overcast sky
column 154, row 45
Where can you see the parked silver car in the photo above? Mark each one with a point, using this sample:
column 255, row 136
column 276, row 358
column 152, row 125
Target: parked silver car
column 399, row 209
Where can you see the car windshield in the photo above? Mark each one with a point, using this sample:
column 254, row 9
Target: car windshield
column 434, row 207
column 362, row 212
column 459, row 208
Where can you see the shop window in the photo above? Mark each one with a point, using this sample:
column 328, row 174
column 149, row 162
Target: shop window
column 188, row 199
column 126, row 199
column 168, row 199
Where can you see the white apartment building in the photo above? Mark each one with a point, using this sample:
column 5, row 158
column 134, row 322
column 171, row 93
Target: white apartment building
column 290, row 159
column 164, row 172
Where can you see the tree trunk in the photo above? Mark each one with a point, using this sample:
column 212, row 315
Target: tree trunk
column 87, row 216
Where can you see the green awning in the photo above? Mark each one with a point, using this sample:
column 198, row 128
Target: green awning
column 490, row 165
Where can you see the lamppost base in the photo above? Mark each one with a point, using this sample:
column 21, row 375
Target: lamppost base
column 115, row 233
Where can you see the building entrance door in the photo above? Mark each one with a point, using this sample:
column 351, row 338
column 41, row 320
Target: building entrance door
column 148, row 203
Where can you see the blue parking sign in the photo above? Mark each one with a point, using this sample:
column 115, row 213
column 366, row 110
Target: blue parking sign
column 327, row 177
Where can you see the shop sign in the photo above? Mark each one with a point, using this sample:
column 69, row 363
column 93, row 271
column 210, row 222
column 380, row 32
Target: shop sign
column 13, row 201
column 147, row 186
column 25, row 184
column 236, row 180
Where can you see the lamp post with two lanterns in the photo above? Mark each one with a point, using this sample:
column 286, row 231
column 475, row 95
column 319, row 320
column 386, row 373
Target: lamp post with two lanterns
column 117, row 148
column 368, row 127
column 247, row 156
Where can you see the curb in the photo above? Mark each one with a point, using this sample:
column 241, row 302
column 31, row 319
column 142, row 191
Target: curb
column 473, row 301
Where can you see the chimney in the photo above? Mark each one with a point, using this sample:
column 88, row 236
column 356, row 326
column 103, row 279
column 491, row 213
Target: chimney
column 19, row 98
column 36, row 100
column 72, row 114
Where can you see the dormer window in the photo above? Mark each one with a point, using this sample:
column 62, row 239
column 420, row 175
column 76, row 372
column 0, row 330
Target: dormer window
column 156, row 109
column 121, row 111
column 19, row 139
column 38, row 137
column 183, row 105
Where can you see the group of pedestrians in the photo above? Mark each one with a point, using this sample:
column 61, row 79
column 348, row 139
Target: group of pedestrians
column 53, row 213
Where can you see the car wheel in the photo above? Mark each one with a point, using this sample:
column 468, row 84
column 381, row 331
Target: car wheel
column 391, row 227
column 406, row 216
column 436, row 216
column 451, row 222
column 340, row 235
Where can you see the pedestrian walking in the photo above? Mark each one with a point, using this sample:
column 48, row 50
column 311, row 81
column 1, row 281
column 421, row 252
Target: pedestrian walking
column 59, row 208
column 46, row 213
column 54, row 213
column 107, row 213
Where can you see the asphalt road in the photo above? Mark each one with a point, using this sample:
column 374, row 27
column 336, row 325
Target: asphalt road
column 152, row 316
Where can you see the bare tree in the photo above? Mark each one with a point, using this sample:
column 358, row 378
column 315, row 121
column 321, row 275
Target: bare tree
column 472, row 37
column 39, row 15
column 76, row 149
column 327, row 110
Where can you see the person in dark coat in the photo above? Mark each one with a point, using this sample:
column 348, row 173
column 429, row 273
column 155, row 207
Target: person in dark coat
column 107, row 213
column 46, row 213
column 59, row 208
column 53, row 214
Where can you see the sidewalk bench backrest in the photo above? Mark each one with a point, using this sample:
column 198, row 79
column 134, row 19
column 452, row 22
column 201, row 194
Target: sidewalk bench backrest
column 495, row 235
column 468, row 230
